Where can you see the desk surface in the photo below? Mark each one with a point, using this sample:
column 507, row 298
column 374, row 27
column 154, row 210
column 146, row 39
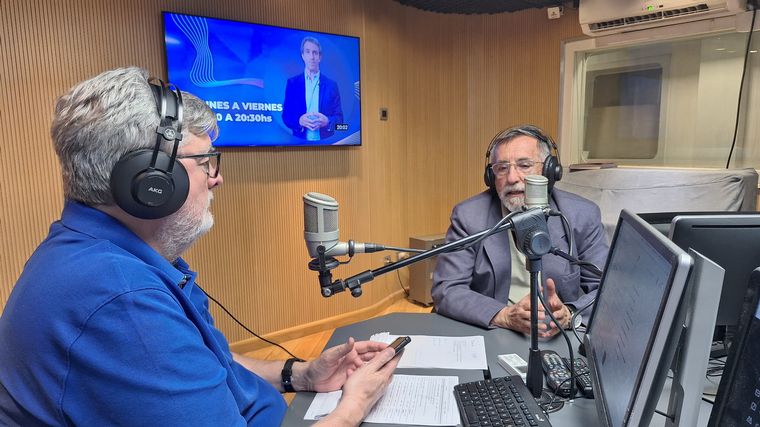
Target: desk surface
column 580, row 413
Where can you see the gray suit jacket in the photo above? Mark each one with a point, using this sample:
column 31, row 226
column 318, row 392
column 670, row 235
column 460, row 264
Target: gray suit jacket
column 472, row 285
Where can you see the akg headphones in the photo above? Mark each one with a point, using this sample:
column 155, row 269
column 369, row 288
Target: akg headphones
column 151, row 184
column 552, row 169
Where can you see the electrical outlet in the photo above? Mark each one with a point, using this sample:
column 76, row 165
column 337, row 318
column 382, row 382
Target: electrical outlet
column 554, row 12
column 387, row 260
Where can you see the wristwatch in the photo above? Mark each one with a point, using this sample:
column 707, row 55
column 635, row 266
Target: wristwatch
column 578, row 319
column 287, row 374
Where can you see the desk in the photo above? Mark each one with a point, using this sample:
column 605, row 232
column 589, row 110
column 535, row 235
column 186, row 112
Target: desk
column 580, row 413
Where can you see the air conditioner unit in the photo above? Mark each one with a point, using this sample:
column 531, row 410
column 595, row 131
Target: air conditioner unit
column 602, row 17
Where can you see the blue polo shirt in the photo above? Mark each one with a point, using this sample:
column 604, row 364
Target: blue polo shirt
column 101, row 330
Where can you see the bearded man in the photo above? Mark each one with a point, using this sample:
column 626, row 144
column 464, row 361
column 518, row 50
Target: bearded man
column 487, row 284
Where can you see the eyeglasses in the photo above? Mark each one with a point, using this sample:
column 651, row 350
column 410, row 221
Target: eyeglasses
column 523, row 166
column 210, row 162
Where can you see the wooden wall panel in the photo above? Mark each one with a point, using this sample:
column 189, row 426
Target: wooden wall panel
column 449, row 82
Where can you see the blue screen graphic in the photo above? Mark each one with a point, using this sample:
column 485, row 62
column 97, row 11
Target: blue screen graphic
column 253, row 77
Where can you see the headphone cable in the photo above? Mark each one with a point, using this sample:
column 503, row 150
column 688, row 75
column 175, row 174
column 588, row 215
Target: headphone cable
column 245, row 327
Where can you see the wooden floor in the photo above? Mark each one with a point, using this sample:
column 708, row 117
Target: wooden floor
column 310, row 346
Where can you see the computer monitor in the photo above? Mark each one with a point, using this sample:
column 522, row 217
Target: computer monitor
column 733, row 242
column 738, row 400
column 636, row 321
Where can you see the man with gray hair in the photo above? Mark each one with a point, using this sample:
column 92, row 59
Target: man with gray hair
column 106, row 324
column 476, row 284
column 312, row 101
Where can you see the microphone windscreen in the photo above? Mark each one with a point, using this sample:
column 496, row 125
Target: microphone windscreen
column 536, row 191
column 320, row 219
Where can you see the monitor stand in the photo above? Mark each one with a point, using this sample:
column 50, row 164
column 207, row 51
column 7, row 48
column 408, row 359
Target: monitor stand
column 701, row 305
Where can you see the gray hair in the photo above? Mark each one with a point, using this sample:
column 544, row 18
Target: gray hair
column 312, row 40
column 543, row 140
column 100, row 120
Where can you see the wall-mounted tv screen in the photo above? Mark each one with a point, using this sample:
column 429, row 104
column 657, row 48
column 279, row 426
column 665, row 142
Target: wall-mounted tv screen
column 269, row 86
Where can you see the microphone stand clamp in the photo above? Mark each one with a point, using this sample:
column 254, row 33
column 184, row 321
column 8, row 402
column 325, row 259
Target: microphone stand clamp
column 323, row 264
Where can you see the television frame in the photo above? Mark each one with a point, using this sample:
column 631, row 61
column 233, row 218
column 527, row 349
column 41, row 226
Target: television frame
column 352, row 115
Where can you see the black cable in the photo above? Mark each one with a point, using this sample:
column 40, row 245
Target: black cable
column 554, row 398
column 715, row 367
column 400, row 283
column 575, row 330
column 548, row 407
column 588, row 266
column 741, row 87
column 670, row 417
column 245, row 327
column 555, row 395
column 568, row 233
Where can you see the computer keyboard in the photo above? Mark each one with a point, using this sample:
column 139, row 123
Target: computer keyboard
column 498, row 402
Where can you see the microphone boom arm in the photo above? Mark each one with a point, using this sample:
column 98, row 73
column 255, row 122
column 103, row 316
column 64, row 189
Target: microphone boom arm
column 354, row 283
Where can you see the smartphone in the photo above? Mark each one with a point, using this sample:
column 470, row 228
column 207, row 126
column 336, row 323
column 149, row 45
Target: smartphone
column 399, row 343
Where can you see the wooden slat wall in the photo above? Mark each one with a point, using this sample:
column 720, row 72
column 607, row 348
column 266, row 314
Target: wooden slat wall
column 449, row 81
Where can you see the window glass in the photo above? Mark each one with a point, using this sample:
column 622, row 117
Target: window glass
column 670, row 103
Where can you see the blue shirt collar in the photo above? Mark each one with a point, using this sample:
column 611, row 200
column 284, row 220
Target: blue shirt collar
column 99, row 225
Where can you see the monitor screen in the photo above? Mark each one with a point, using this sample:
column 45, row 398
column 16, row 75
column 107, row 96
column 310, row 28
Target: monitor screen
column 731, row 241
column 727, row 238
column 269, row 86
column 635, row 313
column 738, row 400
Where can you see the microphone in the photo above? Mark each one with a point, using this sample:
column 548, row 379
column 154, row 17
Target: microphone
column 536, row 192
column 320, row 219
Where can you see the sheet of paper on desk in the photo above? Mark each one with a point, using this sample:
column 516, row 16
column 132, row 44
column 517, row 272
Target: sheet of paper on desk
column 409, row 399
column 426, row 351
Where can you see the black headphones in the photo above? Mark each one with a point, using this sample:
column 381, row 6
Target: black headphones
column 552, row 169
column 151, row 184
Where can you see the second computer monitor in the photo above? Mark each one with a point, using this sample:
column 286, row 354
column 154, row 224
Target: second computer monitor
column 730, row 239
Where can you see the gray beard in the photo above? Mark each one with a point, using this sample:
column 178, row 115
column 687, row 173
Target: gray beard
column 515, row 203
column 183, row 228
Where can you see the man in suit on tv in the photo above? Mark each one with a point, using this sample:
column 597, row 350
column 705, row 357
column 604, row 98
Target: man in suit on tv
column 312, row 101
column 474, row 285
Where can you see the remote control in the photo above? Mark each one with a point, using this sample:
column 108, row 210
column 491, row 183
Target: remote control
column 582, row 376
column 556, row 373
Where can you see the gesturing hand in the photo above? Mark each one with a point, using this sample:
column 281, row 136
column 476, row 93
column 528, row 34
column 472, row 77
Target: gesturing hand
column 517, row 316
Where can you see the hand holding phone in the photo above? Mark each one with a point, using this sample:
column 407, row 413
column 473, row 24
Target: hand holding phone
column 399, row 343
